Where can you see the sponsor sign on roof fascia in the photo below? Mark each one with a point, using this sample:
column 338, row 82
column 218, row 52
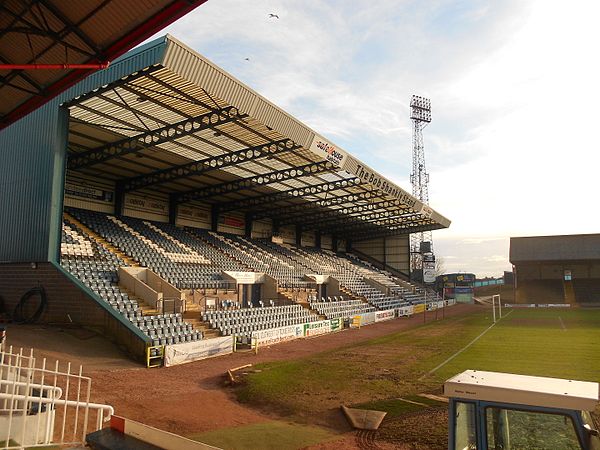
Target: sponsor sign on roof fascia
column 332, row 153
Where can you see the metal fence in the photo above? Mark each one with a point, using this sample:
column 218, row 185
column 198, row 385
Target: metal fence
column 44, row 403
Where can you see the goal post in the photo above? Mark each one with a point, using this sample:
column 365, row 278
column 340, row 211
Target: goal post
column 496, row 299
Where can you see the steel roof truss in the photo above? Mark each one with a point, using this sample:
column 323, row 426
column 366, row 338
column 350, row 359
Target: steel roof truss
column 325, row 202
column 155, row 137
column 208, row 164
column 352, row 221
column 290, row 194
column 119, row 83
column 324, row 214
column 256, row 180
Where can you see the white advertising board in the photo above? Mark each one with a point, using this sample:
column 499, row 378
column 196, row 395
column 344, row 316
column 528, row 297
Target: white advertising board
column 276, row 335
column 317, row 328
column 194, row 351
column 388, row 314
column 406, row 311
column 360, row 320
column 319, row 279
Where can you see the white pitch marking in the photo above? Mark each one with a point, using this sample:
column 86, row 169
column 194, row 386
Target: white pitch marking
column 562, row 324
column 435, row 369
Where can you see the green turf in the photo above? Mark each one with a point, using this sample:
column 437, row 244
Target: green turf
column 396, row 407
column 382, row 368
column 266, row 435
column 534, row 342
column 527, row 341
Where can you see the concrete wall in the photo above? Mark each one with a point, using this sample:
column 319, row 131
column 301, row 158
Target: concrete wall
column 68, row 301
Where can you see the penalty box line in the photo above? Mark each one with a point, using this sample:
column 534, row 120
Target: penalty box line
column 435, row 369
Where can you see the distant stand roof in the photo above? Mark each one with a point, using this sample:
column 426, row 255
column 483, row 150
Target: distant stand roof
column 575, row 247
column 70, row 32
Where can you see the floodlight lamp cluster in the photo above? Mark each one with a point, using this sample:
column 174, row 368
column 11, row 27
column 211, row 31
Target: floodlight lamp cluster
column 420, row 109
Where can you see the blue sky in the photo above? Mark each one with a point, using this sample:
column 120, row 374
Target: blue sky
column 512, row 148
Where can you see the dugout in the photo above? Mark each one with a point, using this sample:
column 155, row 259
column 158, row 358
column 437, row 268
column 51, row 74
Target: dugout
column 163, row 134
column 556, row 269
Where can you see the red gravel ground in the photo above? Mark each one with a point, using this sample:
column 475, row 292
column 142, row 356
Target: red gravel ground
column 192, row 398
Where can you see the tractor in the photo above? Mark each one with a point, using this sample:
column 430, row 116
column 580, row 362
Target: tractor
column 501, row 411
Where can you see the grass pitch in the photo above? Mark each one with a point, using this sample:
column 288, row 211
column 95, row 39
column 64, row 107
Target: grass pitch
column 561, row 343
column 272, row 435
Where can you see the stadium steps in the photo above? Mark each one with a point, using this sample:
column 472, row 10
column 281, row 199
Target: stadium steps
column 287, row 296
column 351, row 295
column 100, row 240
column 193, row 316
column 569, row 292
column 146, row 309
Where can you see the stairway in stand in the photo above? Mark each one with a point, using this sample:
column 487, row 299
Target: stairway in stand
column 100, row 240
column 193, row 315
column 569, row 291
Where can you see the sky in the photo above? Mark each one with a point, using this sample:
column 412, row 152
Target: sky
column 514, row 87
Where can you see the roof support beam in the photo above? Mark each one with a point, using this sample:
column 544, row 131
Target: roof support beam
column 376, row 219
column 290, row 194
column 153, row 138
column 73, row 28
column 208, row 164
column 323, row 215
column 366, row 235
column 121, row 82
column 353, row 222
column 277, row 176
column 332, row 201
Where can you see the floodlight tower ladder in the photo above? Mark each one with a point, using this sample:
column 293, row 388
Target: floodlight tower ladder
column 420, row 114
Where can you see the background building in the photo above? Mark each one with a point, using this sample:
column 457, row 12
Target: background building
column 556, row 269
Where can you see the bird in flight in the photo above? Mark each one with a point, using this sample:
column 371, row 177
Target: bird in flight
column 273, row 16
column 247, row 59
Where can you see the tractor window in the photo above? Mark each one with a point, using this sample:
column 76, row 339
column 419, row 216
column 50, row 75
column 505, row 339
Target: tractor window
column 465, row 426
column 524, row 430
column 592, row 430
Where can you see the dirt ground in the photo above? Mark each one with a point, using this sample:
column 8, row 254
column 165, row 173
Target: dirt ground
column 192, row 398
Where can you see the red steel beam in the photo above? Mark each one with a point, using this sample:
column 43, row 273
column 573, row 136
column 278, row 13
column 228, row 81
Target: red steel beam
column 102, row 65
column 161, row 19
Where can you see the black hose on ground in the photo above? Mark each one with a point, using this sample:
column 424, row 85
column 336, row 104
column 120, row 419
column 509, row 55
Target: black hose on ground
column 19, row 309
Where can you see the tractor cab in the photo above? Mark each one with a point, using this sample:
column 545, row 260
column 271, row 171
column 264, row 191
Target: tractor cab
column 501, row 411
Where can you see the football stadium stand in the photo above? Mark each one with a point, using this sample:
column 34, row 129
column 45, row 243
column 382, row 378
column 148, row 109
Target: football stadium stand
column 168, row 204
column 556, row 269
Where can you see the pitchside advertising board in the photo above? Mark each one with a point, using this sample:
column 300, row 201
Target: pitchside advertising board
column 380, row 316
column 277, row 335
column 193, row 351
column 406, row 311
column 290, row 332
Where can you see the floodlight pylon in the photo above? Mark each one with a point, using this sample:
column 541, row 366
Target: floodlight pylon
column 420, row 114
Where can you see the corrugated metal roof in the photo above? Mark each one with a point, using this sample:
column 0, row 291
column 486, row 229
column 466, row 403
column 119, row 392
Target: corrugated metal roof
column 580, row 247
column 175, row 85
column 67, row 32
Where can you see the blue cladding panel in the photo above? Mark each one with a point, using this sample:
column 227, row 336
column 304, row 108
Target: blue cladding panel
column 32, row 165
column 27, row 170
